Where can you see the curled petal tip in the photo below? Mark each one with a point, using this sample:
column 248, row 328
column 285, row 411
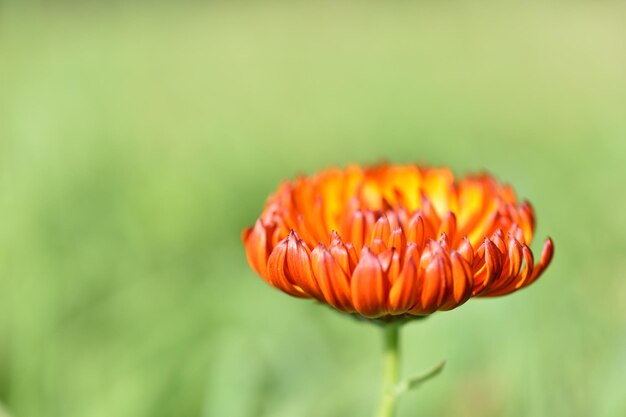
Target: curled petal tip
column 547, row 253
column 548, row 248
column 320, row 247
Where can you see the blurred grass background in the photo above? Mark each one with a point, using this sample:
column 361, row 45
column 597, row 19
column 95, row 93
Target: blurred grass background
column 137, row 140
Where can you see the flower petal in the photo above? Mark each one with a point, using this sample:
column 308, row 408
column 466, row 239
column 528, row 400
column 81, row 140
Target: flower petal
column 299, row 266
column 466, row 250
column 332, row 281
column 369, row 286
column 433, row 286
column 416, row 231
column 405, row 289
column 546, row 257
column 397, row 240
column 488, row 267
column 357, row 229
column 276, row 269
column 257, row 247
column 461, row 282
column 382, row 230
column 448, row 226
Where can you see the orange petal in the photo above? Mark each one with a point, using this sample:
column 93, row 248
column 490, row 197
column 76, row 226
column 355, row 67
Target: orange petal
column 515, row 256
column 393, row 218
column 466, row 250
column 412, row 252
column 382, row 230
column 517, row 233
column 430, row 216
column 512, row 263
column 489, row 267
column 405, row 289
column 299, row 266
column 416, row 232
column 357, row 229
column 498, row 239
column 546, row 257
column 390, row 262
column 352, row 256
column 394, row 268
column 339, row 252
column 378, row 246
column 332, row 281
column 433, row 286
column 444, row 242
column 448, row 226
column 461, row 282
column 369, row 286
column 397, row 240
column 527, row 220
column 257, row 248
column 276, row 268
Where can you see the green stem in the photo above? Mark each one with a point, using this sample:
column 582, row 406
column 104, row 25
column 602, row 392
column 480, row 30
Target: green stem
column 391, row 363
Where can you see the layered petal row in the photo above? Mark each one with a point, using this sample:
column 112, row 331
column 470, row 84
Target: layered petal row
column 390, row 240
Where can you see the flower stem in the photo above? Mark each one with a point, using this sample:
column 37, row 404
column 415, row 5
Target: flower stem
column 391, row 363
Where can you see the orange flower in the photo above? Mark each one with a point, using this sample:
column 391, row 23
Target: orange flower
column 389, row 240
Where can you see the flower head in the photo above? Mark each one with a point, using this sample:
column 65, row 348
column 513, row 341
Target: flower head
column 390, row 240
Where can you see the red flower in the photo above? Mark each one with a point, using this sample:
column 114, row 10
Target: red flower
column 394, row 240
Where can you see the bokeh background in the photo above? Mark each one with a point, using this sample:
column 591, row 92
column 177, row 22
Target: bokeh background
column 137, row 140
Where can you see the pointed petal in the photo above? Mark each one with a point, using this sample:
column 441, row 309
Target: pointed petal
column 257, row 248
column 390, row 262
column 515, row 256
column 369, row 286
column 352, row 256
column 357, row 230
column 339, row 252
column 382, row 230
column 461, row 282
column 433, row 286
column 546, row 257
column 488, row 268
column 276, row 268
column 466, row 250
column 397, row 240
column 416, row 232
column 405, row 290
column 527, row 220
column 444, row 241
column 332, row 281
column 299, row 266
column 448, row 226
column 498, row 239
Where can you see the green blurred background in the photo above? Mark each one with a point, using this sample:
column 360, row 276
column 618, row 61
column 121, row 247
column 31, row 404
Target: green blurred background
column 138, row 139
